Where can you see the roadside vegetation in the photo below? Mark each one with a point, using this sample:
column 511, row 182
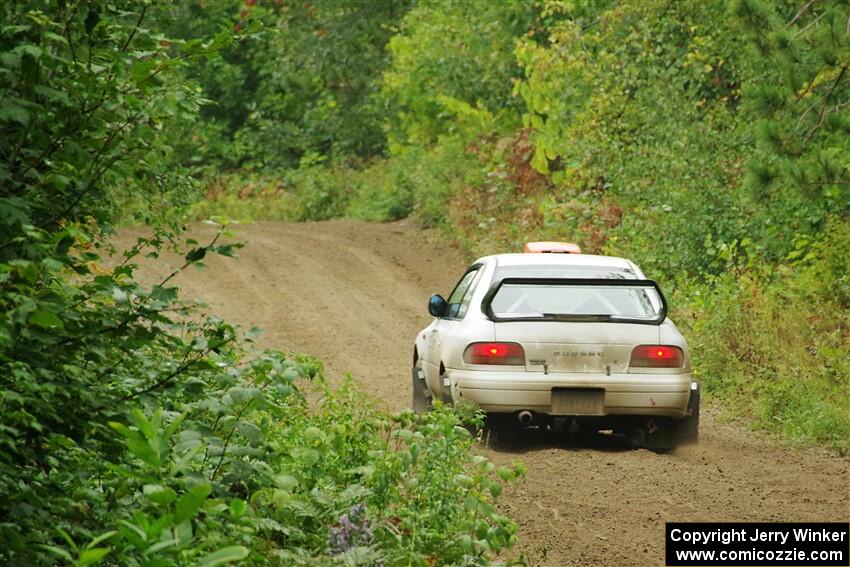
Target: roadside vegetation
column 705, row 140
column 136, row 431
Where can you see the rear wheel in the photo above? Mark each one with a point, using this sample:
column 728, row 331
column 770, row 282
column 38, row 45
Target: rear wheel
column 421, row 395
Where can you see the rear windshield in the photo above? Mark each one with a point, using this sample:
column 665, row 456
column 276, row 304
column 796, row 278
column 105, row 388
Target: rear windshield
column 624, row 301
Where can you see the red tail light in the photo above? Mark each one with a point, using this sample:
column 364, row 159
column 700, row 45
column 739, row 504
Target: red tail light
column 494, row 353
column 657, row 356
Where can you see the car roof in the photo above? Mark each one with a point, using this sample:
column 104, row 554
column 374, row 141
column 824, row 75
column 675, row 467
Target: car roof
column 576, row 260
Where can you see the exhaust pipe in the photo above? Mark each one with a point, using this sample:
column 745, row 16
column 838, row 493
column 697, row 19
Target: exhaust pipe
column 525, row 417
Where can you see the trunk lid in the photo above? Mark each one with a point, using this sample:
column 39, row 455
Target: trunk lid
column 559, row 346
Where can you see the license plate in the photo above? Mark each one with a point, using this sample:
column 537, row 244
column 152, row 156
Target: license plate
column 578, row 402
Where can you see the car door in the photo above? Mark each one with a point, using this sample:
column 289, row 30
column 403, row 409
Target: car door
column 448, row 327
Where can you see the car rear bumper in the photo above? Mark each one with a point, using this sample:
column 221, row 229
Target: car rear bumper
column 624, row 394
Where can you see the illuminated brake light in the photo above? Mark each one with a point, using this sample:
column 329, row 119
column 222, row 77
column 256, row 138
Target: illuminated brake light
column 494, row 353
column 657, row 356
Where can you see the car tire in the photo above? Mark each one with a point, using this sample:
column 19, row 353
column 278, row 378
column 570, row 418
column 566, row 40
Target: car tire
column 421, row 395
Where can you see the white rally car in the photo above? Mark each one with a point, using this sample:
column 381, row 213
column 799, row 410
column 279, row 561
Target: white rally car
column 560, row 340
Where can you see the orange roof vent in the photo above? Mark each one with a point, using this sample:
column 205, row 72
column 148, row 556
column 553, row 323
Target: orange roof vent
column 551, row 248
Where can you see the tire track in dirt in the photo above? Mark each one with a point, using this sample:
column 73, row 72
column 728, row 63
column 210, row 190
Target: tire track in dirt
column 354, row 294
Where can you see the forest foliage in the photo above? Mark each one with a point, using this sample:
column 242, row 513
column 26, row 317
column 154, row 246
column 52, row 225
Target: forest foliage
column 136, row 430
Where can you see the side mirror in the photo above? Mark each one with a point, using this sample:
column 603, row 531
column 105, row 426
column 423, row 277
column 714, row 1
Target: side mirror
column 437, row 306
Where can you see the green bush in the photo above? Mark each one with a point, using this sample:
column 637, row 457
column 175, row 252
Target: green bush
column 415, row 181
column 245, row 196
column 254, row 471
column 134, row 435
column 322, row 192
column 774, row 352
column 381, row 193
column 307, row 194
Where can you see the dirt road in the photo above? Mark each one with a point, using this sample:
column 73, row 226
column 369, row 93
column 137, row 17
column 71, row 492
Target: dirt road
column 355, row 295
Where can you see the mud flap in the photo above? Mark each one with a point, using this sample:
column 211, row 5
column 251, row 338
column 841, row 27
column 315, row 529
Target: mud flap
column 656, row 435
column 687, row 430
column 663, row 435
column 421, row 395
column 501, row 431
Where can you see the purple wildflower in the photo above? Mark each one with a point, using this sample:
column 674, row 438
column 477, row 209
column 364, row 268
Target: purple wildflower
column 352, row 530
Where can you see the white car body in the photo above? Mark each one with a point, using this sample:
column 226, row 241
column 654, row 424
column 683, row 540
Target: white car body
column 566, row 362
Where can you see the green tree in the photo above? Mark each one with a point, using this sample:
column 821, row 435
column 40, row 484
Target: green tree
column 304, row 82
column 802, row 100
column 449, row 56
